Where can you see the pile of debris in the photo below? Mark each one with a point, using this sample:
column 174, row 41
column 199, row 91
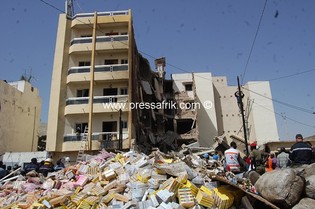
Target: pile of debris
column 133, row 180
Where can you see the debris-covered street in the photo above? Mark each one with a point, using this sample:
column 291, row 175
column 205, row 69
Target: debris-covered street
column 174, row 180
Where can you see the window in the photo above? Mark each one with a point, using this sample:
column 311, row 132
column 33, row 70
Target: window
column 188, row 86
column 124, row 33
column 109, row 91
column 83, row 93
column 84, row 63
column 123, row 91
column 86, row 36
column 111, row 62
column 124, row 61
column 124, row 124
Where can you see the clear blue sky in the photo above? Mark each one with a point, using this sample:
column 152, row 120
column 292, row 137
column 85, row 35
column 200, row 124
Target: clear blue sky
column 194, row 36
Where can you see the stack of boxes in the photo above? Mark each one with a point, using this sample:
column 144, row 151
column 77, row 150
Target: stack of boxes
column 123, row 181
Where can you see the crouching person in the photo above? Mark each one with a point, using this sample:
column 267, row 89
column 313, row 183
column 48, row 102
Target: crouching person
column 232, row 159
column 47, row 167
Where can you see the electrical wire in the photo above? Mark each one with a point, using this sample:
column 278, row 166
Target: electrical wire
column 301, row 123
column 253, row 43
column 52, row 6
column 283, row 103
column 77, row 2
column 295, row 74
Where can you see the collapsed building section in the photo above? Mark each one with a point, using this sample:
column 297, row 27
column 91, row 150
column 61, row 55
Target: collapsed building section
column 186, row 114
column 154, row 115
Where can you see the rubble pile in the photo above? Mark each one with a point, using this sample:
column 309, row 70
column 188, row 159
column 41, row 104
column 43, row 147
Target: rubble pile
column 133, row 180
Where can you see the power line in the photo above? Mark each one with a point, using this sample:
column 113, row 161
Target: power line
column 295, row 74
column 77, row 2
column 287, row 76
column 283, row 103
column 253, row 43
column 52, row 6
column 285, row 116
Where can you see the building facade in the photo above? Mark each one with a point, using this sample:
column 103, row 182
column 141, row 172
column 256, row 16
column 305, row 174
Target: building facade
column 216, row 112
column 115, row 60
column 258, row 107
column 20, row 108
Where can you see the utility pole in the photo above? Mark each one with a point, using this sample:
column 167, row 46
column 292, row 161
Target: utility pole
column 239, row 96
column 90, row 125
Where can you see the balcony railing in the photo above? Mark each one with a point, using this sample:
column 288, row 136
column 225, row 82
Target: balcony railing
column 113, row 13
column 98, row 68
column 85, row 40
column 74, row 137
column 97, row 99
column 108, row 140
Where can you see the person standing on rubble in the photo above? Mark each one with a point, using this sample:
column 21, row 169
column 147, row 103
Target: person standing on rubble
column 47, row 167
column 271, row 162
column 67, row 162
column 59, row 165
column 301, row 153
column 232, row 157
column 32, row 166
column 256, row 159
column 282, row 158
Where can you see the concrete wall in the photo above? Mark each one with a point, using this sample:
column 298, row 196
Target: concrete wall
column 20, row 108
column 262, row 115
column 206, row 114
column 229, row 117
column 261, row 121
column 179, row 83
column 58, row 88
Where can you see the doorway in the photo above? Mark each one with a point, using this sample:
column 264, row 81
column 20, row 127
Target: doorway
column 109, row 126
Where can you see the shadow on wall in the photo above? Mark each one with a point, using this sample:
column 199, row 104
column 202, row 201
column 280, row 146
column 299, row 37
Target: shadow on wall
column 218, row 108
column 205, row 126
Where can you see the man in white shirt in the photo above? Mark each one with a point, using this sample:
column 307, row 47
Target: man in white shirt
column 282, row 158
column 232, row 157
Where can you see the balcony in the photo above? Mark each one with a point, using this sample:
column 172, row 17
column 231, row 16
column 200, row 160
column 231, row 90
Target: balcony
column 101, row 72
column 114, row 42
column 100, row 140
column 101, row 104
column 81, row 20
column 85, row 40
column 99, row 14
column 98, row 68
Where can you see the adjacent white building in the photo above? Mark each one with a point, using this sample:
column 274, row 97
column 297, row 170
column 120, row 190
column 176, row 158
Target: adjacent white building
column 224, row 117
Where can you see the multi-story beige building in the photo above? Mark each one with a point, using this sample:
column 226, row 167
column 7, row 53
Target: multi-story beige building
column 20, row 108
column 114, row 75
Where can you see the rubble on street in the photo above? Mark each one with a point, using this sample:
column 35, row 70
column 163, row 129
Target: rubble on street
column 135, row 180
